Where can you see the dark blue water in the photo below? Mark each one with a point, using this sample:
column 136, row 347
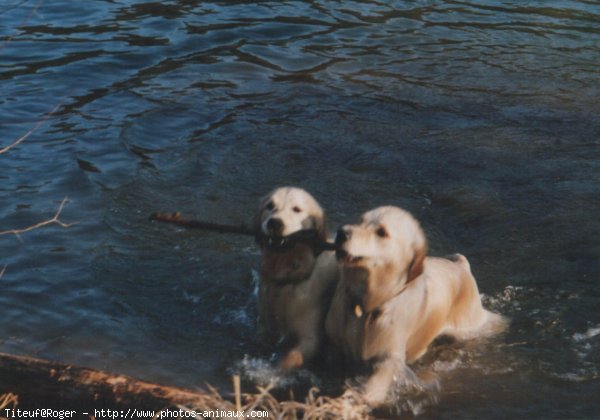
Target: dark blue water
column 482, row 118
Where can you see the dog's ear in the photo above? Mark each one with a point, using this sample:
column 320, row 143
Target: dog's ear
column 419, row 253
column 316, row 221
column 258, row 218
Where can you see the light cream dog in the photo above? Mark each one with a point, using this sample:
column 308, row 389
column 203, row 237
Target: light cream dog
column 392, row 301
column 297, row 278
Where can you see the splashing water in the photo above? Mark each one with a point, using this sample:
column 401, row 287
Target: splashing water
column 263, row 373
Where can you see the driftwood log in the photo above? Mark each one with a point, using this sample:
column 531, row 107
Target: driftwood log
column 46, row 384
column 49, row 385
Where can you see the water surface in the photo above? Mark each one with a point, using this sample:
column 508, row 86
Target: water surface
column 482, row 118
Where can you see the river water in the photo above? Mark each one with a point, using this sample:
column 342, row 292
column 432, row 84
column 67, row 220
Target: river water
column 481, row 118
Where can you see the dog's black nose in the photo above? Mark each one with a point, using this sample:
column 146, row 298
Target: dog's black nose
column 341, row 254
column 275, row 226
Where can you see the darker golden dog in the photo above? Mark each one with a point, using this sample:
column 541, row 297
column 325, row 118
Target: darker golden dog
column 297, row 278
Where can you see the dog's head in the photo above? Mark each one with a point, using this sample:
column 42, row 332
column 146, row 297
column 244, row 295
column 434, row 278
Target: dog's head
column 283, row 216
column 380, row 256
column 288, row 210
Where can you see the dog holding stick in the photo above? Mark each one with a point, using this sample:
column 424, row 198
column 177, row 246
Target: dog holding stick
column 392, row 300
column 297, row 275
column 298, row 271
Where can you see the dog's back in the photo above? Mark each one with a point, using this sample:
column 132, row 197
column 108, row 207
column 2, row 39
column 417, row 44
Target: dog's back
column 450, row 281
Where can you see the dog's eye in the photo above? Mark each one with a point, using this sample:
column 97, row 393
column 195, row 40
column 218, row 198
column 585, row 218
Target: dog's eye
column 381, row 232
column 296, row 209
column 270, row 205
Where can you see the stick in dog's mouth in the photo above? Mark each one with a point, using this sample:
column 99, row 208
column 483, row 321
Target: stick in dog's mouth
column 306, row 237
column 276, row 241
column 309, row 237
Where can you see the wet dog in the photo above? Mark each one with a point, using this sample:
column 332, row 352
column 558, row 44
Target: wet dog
column 392, row 301
column 297, row 278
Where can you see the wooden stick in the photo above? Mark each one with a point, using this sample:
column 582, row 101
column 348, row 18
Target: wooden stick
column 177, row 219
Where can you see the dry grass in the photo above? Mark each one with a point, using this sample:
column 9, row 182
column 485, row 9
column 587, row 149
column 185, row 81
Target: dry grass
column 7, row 401
column 348, row 406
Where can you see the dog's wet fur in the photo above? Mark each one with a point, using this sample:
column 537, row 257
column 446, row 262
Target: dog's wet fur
column 296, row 278
column 392, row 301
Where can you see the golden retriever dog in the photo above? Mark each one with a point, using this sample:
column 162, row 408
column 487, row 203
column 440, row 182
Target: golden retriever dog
column 392, row 301
column 297, row 277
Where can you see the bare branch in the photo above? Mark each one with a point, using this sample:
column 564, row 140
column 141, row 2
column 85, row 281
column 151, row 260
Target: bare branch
column 54, row 220
column 8, row 400
column 14, row 34
column 24, row 136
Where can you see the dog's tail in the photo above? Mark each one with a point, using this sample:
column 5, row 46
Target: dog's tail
column 494, row 324
column 491, row 323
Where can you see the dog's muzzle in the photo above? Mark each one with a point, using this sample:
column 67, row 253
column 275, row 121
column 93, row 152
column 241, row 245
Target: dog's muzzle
column 276, row 241
column 346, row 258
column 342, row 236
column 275, row 227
